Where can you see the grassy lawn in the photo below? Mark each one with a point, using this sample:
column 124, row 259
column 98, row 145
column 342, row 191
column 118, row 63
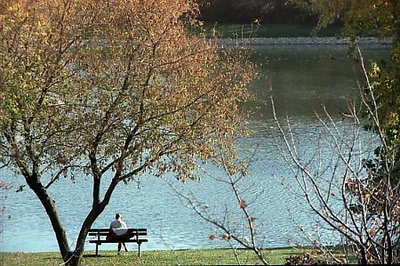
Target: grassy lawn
column 179, row 257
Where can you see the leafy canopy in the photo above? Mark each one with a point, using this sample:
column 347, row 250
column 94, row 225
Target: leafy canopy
column 118, row 80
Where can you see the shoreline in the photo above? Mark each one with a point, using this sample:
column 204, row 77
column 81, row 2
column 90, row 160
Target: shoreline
column 368, row 42
column 161, row 250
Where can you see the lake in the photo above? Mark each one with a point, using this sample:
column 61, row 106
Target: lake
column 300, row 79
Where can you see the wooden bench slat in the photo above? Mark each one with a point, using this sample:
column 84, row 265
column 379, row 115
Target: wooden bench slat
column 116, row 241
column 108, row 229
column 105, row 234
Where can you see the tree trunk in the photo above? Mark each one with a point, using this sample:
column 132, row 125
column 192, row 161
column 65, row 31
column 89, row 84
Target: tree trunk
column 363, row 256
column 96, row 210
column 51, row 210
column 80, row 242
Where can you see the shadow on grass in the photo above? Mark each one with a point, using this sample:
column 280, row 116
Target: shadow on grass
column 49, row 258
column 52, row 258
column 84, row 256
column 99, row 256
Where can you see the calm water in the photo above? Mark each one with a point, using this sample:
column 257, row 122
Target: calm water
column 300, row 81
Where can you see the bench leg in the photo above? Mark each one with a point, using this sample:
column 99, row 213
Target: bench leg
column 139, row 254
column 97, row 250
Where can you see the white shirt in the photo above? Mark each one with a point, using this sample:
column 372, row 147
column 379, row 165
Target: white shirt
column 119, row 227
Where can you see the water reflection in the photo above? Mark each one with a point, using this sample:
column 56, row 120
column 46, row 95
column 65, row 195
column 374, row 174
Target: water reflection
column 303, row 80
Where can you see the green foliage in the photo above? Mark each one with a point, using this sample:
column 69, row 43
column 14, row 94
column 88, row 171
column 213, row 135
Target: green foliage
column 245, row 11
column 383, row 94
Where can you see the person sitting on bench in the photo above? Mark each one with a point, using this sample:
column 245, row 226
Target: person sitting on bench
column 119, row 231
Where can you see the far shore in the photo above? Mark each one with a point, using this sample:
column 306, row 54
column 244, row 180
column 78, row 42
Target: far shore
column 367, row 42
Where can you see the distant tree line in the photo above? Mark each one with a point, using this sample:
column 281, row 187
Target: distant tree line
column 246, row 11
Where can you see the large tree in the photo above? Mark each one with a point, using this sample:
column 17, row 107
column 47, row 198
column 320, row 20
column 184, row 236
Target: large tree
column 110, row 88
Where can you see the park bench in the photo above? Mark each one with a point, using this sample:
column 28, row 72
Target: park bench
column 139, row 236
